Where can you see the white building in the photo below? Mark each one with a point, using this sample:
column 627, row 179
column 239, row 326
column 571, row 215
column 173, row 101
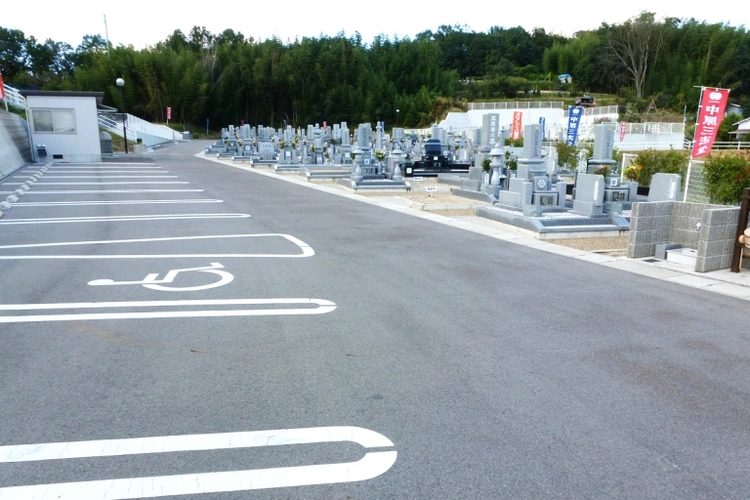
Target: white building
column 633, row 137
column 65, row 123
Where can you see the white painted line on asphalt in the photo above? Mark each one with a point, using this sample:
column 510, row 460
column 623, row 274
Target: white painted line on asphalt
column 191, row 442
column 371, row 465
column 101, row 164
column 120, row 218
column 257, row 309
column 144, row 171
column 95, row 166
column 111, row 202
column 114, row 183
column 109, row 191
column 307, row 251
column 48, row 176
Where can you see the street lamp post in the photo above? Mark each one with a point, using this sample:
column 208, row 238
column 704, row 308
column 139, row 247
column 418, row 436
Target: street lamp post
column 121, row 83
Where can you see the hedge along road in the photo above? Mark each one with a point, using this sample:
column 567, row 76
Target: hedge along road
column 474, row 367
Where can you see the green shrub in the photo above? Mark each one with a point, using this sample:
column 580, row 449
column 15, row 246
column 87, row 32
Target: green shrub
column 664, row 162
column 566, row 154
column 486, row 164
column 726, row 175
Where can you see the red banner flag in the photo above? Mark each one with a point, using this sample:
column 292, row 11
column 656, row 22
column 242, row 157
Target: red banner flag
column 169, row 113
column 515, row 131
column 713, row 104
column 623, row 128
column 2, row 89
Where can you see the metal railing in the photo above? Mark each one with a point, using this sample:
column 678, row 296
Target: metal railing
column 14, row 97
column 138, row 128
column 516, row 105
column 598, row 111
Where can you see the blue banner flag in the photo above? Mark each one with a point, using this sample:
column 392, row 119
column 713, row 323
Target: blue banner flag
column 575, row 113
column 542, row 122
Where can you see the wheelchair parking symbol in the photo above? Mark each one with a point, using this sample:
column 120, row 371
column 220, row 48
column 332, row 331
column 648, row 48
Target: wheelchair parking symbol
column 166, row 284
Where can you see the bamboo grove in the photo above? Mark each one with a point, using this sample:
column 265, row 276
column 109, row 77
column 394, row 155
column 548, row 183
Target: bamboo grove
column 229, row 78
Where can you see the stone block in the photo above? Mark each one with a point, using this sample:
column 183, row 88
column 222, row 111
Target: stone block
column 640, row 209
column 661, row 233
column 679, row 208
column 711, row 233
column 662, row 222
column 714, row 248
column 696, row 210
column 646, row 236
column 678, row 222
column 663, row 208
column 646, row 223
column 708, row 264
column 691, row 239
column 639, row 251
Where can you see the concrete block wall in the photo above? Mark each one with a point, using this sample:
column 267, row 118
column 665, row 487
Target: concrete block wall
column 649, row 225
column 15, row 149
column 709, row 229
column 716, row 238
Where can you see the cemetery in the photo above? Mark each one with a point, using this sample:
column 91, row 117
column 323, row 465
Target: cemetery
column 483, row 175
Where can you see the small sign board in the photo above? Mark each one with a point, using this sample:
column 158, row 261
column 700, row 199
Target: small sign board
column 418, row 178
column 430, row 188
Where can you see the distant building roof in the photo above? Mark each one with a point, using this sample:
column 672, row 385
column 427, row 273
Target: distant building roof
column 99, row 96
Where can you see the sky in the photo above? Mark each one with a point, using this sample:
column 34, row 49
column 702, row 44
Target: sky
column 143, row 23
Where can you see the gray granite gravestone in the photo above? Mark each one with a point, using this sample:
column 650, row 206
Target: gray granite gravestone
column 589, row 199
column 664, row 187
column 532, row 190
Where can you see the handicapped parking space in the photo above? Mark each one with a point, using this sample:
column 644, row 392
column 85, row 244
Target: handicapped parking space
column 142, row 320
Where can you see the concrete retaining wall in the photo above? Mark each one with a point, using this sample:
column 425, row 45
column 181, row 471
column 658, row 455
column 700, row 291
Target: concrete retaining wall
column 15, row 150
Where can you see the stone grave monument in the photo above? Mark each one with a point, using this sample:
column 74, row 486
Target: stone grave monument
column 532, row 190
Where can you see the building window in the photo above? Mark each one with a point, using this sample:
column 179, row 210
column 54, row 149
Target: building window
column 53, row 120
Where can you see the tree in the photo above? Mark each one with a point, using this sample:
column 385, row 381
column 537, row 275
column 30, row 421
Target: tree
column 13, row 56
column 636, row 44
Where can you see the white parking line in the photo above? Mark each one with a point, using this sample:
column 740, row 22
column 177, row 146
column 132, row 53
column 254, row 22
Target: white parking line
column 108, row 191
column 371, row 465
column 254, row 307
column 115, row 183
column 125, row 166
column 147, row 171
column 120, row 218
column 135, row 164
column 109, row 177
column 22, row 204
column 307, row 251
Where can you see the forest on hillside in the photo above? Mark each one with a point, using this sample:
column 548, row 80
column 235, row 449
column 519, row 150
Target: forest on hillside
column 647, row 63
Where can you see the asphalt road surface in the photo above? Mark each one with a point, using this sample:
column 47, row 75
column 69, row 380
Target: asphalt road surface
column 179, row 328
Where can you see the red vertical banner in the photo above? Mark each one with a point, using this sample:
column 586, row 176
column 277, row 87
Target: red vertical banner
column 712, row 106
column 169, row 113
column 2, row 89
column 515, row 131
column 623, row 127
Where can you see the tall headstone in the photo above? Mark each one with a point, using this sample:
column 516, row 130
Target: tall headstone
column 531, row 162
column 604, row 146
column 490, row 129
